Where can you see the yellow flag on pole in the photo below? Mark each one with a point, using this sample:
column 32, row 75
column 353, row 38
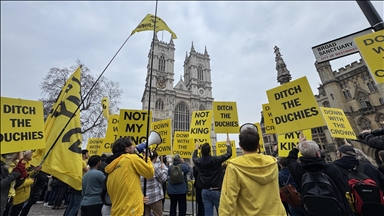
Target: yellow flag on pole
column 64, row 160
column 105, row 106
column 147, row 24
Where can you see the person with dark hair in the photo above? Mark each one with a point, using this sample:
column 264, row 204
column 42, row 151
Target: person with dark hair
column 211, row 175
column 92, row 186
column 103, row 164
column 154, row 190
column 123, row 184
column 250, row 185
column 177, row 192
column 166, row 164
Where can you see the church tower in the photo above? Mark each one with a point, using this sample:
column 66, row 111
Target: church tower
column 283, row 75
column 178, row 101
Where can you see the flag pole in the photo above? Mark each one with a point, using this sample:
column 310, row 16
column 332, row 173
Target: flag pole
column 149, row 100
column 83, row 99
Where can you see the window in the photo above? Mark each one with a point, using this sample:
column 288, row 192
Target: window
column 370, row 87
column 201, row 107
column 181, row 117
column 351, row 107
column 326, row 104
column 341, row 85
column 332, row 97
column 365, row 77
column 381, row 100
column 345, row 94
column 346, row 84
column 365, row 124
column 162, row 64
column 159, row 104
column 349, row 94
column 200, row 75
column 362, row 103
column 374, row 85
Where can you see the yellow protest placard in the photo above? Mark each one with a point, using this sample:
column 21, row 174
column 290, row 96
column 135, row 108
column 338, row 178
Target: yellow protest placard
column 294, row 107
column 111, row 135
column 268, row 119
column 163, row 127
column 221, row 148
column 337, row 123
column 225, row 117
column 287, row 142
column 182, row 144
column 371, row 47
column 94, row 146
column 201, row 125
column 133, row 123
column 261, row 142
column 105, row 106
column 22, row 125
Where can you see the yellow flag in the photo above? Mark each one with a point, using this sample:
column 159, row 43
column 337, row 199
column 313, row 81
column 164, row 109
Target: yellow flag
column 105, row 106
column 64, row 161
column 148, row 23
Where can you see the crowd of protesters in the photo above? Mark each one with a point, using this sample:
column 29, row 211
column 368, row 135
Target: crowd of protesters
column 246, row 185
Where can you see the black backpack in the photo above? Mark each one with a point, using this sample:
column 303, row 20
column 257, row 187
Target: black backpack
column 176, row 174
column 320, row 195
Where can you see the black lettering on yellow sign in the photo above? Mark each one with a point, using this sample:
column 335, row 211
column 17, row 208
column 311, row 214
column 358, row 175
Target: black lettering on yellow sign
column 268, row 128
column 182, row 135
column 108, row 145
column 287, row 145
column 199, row 130
column 20, row 122
column 160, row 126
column 135, row 116
column 226, row 124
column 163, row 148
column 182, row 146
column 287, row 92
column 138, row 140
column 17, row 109
column 292, row 135
column 201, row 114
column 342, row 132
column 131, row 128
column 379, row 73
column 301, row 114
column 182, row 141
column 182, row 153
column 21, row 136
column 76, row 146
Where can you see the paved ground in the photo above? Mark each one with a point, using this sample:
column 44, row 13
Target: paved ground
column 40, row 210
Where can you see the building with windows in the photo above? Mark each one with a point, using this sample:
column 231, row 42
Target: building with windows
column 193, row 91
column 351, row 89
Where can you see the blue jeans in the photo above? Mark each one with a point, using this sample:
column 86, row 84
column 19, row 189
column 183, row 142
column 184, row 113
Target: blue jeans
column 211, row 198
column 74, row 205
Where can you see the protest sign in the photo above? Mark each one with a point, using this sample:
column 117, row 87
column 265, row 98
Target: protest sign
column 294, row 107
column 221, row 148
column 22, row 125
column 111, row 135
column 133, row 123
column 268, row 119
column 201, row 125
column 182, row 145
column 289, row 141
column 337, row 123
column 94, row 146
column 225, row 117
column 163, row 127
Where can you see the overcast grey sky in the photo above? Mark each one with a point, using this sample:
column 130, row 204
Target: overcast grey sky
column 239, row 36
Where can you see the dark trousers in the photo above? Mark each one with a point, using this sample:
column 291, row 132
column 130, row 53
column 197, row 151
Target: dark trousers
column 180, row 199
column 8, row 206
column 16, row 209
column 60, row 196
column 200, row 204
column 92, row 210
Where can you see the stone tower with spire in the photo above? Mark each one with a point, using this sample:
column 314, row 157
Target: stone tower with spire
column 192, row 93
column 283, row 75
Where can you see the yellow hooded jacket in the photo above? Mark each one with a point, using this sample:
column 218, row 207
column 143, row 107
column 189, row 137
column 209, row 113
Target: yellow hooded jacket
column 124, row 186
column 251, row 187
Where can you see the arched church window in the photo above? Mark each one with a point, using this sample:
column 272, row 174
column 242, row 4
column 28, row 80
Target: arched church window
column 162, row 64
column 326, row 104
column 362, row 103
column 370, row 87
column 159, row 104
column 365, row 77
column 374, row 85
column 349, row 94
column 201, row 107
column 365, row 124
column 345, row 94
column 346, row 84
column 200, row 75
column 341, row 85
column 181, row 117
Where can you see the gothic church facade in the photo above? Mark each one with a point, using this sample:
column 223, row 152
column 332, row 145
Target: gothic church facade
column 193, row 91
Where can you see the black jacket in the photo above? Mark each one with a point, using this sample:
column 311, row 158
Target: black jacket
column 211, row 171
column 375, row 139
column 6, row 180
column 316, row 164
column 349, row 162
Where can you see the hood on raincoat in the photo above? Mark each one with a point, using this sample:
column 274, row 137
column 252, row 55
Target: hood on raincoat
column 265, row 171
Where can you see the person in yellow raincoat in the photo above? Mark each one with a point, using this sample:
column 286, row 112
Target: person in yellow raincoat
column 123, row 184
column 250, row 185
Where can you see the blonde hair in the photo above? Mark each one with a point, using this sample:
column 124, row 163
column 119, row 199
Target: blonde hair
column 364, row 158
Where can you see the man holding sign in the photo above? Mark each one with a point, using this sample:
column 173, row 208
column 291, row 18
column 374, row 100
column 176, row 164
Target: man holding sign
column 211, row 174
